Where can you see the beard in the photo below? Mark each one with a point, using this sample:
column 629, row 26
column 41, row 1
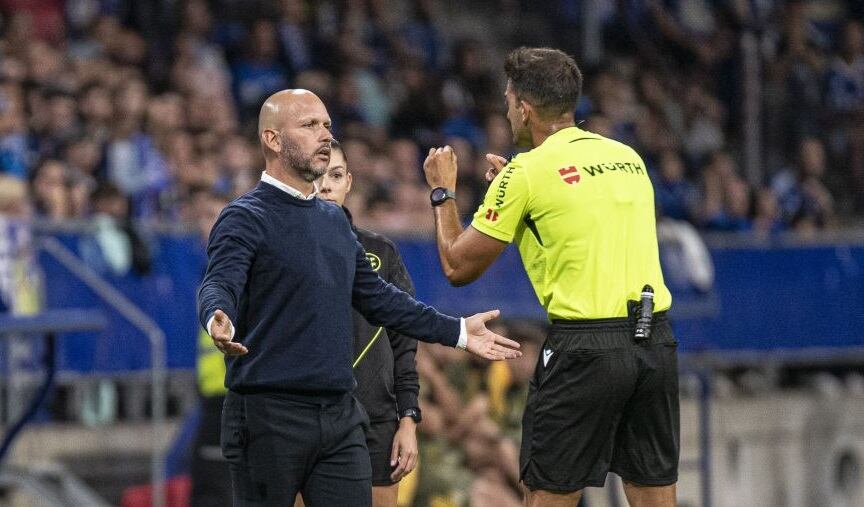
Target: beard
column 522, row 138
column 294, row 160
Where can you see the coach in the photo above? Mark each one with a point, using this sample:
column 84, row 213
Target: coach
column 284, row 271
column 580, row 207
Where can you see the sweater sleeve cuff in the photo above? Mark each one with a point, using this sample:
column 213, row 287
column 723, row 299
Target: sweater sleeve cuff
column 463, row 335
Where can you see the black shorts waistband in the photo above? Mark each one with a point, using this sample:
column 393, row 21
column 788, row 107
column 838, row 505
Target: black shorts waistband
column 319, row 398
column 613, row 324
column 602, row 334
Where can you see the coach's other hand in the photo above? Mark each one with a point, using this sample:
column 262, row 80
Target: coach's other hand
column 485, row 343
column 221, row 331
column 440, row 168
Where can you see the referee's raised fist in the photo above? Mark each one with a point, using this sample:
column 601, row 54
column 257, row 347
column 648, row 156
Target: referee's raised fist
column 440, row 168
column 221, row 330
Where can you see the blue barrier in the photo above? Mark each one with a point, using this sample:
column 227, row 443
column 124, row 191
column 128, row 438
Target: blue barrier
column 167, row 295
column 788, row 297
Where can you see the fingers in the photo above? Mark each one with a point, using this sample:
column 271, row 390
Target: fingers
column 506, row 352
column 412, row 462
column 394, row 454
column 400, row 470
column 490, row 174
column 407, row 461
column 232, row 348
column 445, row 151
column 487, row 316
column 498, row 162
column 221, row 327
column 505, row 342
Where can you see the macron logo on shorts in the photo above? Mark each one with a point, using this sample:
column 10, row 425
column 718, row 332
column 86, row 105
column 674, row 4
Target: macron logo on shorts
column 547, row 355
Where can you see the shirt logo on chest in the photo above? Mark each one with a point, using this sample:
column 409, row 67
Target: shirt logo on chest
column 374, row 260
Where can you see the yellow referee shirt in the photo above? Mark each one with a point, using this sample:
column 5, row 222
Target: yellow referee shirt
column 580, row 208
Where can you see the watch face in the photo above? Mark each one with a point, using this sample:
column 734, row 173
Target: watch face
column 439, row 194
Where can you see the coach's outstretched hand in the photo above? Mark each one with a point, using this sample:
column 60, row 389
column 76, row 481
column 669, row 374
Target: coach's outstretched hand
column 220, row 331
column 485, row 343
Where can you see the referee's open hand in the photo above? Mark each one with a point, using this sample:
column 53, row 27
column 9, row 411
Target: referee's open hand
column 487, row 344
column 220, row 331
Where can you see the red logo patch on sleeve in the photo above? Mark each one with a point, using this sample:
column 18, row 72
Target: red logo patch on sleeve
column 570, row 175
column 491, row 215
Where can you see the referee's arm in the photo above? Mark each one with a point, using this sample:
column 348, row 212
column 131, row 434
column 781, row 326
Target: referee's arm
column 465, row 254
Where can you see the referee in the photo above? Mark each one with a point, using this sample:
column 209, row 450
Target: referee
column 284, row 270
column 580, row 208
column 386, row 372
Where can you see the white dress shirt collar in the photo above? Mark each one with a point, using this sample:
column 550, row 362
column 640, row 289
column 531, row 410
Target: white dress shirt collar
column 293, row 192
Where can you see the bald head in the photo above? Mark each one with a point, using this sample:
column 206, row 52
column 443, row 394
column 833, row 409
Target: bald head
column 294, row 127
column 279, row 106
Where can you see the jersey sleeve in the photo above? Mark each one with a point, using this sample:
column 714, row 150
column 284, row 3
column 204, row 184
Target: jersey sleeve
column 505, row 204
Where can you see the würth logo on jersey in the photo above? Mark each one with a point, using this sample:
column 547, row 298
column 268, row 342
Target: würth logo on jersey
column 570, row 175
column 491, row 215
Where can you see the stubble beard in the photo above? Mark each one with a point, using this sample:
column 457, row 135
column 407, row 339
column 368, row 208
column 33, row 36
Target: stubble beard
column 522, row 138
column 293, row 160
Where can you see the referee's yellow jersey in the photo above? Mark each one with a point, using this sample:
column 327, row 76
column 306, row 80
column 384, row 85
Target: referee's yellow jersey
column 580, row 208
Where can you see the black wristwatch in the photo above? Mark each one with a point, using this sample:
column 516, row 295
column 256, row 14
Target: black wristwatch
column 440, row 195
column 413, row 413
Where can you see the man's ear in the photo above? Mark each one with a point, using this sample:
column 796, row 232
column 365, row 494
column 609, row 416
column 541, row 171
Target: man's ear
column 525, row 109
column 272, row 140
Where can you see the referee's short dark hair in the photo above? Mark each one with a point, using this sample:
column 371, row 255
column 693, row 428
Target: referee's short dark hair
column 547, row 78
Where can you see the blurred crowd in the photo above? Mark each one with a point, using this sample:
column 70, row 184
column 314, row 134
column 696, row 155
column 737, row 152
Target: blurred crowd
column 472, row 416
column 122, row 112
column 140, row 109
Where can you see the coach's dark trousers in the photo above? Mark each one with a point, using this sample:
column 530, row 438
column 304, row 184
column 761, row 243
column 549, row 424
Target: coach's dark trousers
column 278, row 444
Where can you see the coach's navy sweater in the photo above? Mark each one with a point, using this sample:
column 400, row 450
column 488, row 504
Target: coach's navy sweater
column 287, row 271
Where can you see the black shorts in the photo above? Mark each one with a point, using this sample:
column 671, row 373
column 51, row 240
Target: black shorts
column 602, row 403
column 379, row 440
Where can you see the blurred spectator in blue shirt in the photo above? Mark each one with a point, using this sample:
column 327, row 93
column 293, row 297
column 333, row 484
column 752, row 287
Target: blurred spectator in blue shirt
column 676, row 196
column 802, row 195
column 845, row 82
column 14, row 149
column 420, row 37
column 133, row 162
column 49, row 190
column 726, row 205
column 258, row 74
column 296, row 37
column 766, row 213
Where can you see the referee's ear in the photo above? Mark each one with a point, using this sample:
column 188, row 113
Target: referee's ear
column 526, row 110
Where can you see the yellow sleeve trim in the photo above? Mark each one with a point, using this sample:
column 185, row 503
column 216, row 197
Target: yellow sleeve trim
column 489, row 231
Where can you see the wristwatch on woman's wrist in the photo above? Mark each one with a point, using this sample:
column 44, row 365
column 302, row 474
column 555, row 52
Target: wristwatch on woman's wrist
column 413, row 413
